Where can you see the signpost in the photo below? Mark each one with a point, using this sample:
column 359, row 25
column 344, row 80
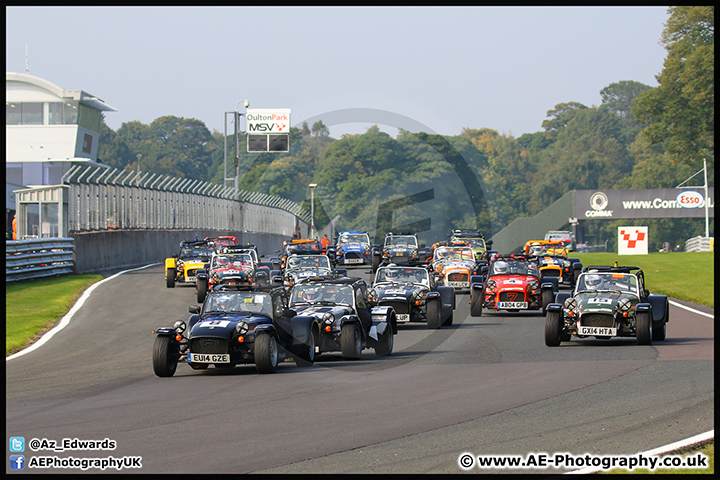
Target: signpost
column 268, row 130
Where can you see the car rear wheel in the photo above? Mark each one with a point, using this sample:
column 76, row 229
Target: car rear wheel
column 266, row 353
column 307, row 358
column 385, row 341
column 643, row 327
column 659, row 328
column 350, row 341
column 553, row 328
column 165, row 356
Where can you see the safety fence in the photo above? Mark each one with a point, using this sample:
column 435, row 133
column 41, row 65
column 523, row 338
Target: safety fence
column 93, row 199
column 700, row 244
column 25, row 259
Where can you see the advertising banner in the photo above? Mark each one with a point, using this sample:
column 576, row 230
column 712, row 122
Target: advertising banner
column 650, row 203
column 268, row 121
column 632, row 240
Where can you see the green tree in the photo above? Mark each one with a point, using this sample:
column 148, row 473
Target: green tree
column 680, row 112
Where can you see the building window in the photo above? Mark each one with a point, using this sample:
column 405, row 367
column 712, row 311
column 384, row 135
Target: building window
column 55, row 113
column 87, row 143
column 32, row 113
column 12, row 115
column 70, row 113
column 13, row 171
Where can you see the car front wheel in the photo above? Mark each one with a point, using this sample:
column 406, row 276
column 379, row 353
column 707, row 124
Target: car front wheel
column 266, row 353
column 386, row 342
column 165, row 356
column 553, row 328
column 643, row 327
column 350, row 341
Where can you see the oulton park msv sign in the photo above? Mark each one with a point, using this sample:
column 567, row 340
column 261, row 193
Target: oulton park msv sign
column 651, row 203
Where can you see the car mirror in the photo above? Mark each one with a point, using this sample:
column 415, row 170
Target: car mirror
column 489, row 243
column 194, row 309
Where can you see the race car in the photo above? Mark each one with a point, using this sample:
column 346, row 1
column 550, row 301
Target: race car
column 513, row 284
column 303, row 246
column 236, row 327
column 554, row 261
column 400, row 249
column 475, row 239
column 454, row 265
column 608, row 301
column 353, row 248
column 348, row 319
column 192, row 255
column 300, row 267
column 414, row 295
column 222, row 241
column 231, row 269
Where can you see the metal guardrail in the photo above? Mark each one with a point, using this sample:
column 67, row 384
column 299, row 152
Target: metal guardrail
column 700, row 244
column 26, row 259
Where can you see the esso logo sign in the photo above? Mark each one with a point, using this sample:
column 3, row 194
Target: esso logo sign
column 690, row 199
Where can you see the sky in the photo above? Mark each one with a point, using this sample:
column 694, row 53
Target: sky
column 433, row 69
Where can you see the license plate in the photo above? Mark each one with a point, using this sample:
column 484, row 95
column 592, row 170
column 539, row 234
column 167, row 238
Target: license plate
column 190, row 279
column 208, row 357
column 512, row 305
column 459, row 284
column 602, row 331
column 353, row 260
column 402, row 317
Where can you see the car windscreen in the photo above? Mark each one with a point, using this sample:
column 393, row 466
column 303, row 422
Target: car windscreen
column 321, row 293
column 513, row 267
column 401, row 240
column 348, row 238
column 308, row 261
column 239, row 302
column 402, row 275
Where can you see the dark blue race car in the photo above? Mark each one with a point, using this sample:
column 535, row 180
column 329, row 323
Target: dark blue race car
column 235, row 327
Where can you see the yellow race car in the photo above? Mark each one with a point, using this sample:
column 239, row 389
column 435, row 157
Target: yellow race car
column 193, row 255
column 554, row 261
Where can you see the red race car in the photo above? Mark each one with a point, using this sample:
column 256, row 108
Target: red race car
column 513, row 283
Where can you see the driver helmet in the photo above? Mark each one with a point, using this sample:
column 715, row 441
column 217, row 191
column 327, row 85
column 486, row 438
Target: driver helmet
column 223, row 302
column 536, row 249
column 501, row 267
column 392, row 274
column 593, row 281
column 312, row 294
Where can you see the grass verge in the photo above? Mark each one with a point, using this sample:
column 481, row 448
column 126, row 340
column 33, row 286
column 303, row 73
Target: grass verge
column 33, row 307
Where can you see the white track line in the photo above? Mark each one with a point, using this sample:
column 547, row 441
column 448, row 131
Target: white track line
column 691, row 309
column 658, row 451
column 65, row 321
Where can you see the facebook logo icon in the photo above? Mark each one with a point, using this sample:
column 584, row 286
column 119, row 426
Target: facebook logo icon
column 17, row 462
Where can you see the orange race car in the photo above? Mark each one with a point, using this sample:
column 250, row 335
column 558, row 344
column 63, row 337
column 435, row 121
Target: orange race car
column 554, row 261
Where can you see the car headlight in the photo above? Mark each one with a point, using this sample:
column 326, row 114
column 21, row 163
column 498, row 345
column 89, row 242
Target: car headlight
column 241, row 328
column 490, row 286
column 566, row 263
column 534, row 285
column 179, row 326
column 571, row 306
column 418, row 296
column 624, row 305
column 372, row 295
column 328, row 318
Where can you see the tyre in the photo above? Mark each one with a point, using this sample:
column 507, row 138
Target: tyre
column 659, row 328
column 385, row 342
column 266, row 353
column 475, row 303
column 307, row 358
column 350, row 341
column 170, row 277
column 201, row 288
column 165, row 356
column 553, row 328
column 434, row 314
column 375, row 263
column 643, row 328
column 547, row 296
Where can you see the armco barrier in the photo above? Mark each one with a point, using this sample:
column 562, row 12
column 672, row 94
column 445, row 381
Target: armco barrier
column 700, row 244
column 25, row 259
